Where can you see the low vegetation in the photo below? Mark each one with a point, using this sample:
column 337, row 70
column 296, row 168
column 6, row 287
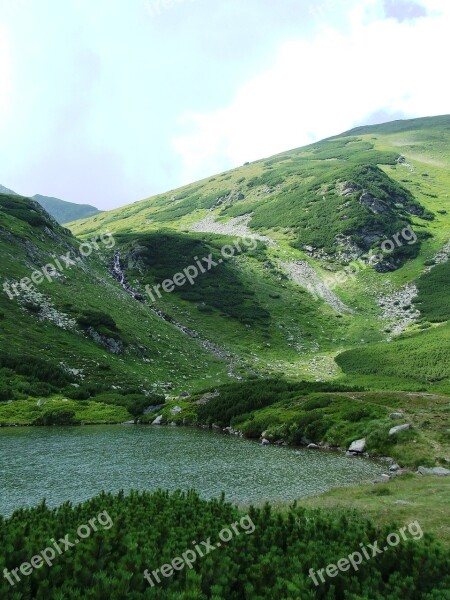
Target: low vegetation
column 270, row 558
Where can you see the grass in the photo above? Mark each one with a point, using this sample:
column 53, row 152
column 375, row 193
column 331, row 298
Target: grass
column 25, row 412
column 300, row 413
column 403, row 500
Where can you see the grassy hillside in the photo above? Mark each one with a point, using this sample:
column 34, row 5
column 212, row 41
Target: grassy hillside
column 63, row 211
column 329, row 205
column 300, row 295
column 58, row 320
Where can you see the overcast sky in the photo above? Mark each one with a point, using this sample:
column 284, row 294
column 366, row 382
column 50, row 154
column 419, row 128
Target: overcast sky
column 110, row 101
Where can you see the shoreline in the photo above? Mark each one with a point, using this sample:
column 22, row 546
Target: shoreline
column 225, row 432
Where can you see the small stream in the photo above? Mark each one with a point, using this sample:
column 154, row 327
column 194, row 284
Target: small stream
column 119, row 275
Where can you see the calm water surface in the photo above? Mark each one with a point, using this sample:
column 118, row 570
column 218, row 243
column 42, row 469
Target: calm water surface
column 75, row 463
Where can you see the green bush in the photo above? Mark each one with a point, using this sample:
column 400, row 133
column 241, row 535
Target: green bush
column 6, row 392
column 237, row 399
column 269, row 558
column 97, row 320
column 57, row 417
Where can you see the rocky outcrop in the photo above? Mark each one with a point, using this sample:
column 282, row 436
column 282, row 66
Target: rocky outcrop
column 44, row 310
column 433, row 471
column 399, row 428
column 345, row 188
column 373, row 204
column 302, row 273
column 397, row 308
column 108, row 343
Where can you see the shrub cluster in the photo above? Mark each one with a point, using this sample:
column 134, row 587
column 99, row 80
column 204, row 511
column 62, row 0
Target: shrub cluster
column 150, row 530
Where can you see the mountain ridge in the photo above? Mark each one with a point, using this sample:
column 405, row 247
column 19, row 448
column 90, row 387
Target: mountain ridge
column 61, row 210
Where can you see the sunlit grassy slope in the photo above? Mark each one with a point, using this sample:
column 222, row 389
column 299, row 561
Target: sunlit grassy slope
column 295, row 199
column 248, row 316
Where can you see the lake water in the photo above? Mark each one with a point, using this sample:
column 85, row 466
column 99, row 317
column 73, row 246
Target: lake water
column 75, row 463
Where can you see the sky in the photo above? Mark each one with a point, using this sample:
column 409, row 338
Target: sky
column 108, row 102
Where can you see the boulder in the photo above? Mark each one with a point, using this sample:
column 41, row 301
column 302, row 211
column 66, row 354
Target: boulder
column 433, row 471
column 312, row 446
column 175, row 410
column 396, row 415
column 157, row 421
column 358, row 446
column 398, row 428
column 372, row 203
column 395, row 467
column 265, row 442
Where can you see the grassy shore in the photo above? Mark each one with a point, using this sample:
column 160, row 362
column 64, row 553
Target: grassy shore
column 405, row 499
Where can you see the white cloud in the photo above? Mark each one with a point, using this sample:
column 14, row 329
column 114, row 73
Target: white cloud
column 318, row 87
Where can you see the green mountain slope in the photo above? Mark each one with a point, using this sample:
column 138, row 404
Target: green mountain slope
column 81, row 321
column 5, row 190
column 282, row 280
column 319, row 213
column 63, row 211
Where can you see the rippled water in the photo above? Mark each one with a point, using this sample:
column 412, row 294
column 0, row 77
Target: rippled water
column 75, row 463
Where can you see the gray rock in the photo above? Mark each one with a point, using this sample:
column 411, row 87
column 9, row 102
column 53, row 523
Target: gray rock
column 110, row 344
column 152, row 409
column 433, row 471
column 157, row 421
column 398, row 428
column 358, row 446
column 312, row 446
column 175, row 410
column 395, row 467
column 372, row 203
column 396, row 415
